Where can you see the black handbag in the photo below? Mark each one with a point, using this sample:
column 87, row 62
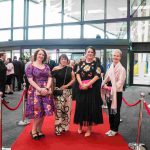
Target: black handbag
column 57, row 91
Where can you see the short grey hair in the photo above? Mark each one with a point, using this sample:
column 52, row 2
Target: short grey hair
column 117, row 51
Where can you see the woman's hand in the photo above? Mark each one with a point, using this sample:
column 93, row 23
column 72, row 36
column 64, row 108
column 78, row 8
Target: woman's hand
column 84, row 86
column 63, row 87
column 44, row 91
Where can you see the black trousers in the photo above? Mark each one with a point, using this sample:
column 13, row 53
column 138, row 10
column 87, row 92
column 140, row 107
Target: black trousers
column 114, row 119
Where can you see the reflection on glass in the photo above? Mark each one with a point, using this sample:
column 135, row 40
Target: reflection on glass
column 71, row 32
column 5, row 17
column 141, row 68
column 94, row 10
column 140, row 8
column 8, row 54
column 35, row 33
column 18, row 34
column 72, row 11
column 26, row 54
column 35, row 11
column 18, row 13
column 100, row 55
column 140, row 31
column 53, row 32
column 116, row 30
column 53, row 11
column 108, row 58
column 5, row 35
column 94, row 31
column 116, row 9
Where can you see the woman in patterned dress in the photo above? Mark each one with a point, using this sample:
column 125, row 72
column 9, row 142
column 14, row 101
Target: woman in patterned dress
column 64, row 77
column 88, row 110
column 39, row 102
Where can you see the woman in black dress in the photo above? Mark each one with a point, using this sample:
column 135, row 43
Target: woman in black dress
column 88, row 110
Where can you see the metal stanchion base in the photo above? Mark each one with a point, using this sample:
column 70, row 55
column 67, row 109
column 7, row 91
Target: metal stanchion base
column 6, row 148
column 23, row 123
column 136, row 146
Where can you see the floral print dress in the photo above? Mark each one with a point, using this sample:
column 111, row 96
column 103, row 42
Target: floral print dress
column 38, row 106
column 88, row 102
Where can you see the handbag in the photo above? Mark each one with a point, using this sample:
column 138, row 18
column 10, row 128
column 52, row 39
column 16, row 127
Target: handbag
column 57, row 91
column 85, row 82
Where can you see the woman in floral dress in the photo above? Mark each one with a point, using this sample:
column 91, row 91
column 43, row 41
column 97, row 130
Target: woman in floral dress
column 39, row 102
column 88, row 110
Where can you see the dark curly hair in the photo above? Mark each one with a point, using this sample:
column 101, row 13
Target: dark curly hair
column 36, row 52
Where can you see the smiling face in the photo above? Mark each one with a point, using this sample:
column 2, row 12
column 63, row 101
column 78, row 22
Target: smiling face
column 90, row 53
column 116, row 57
column 40, row 56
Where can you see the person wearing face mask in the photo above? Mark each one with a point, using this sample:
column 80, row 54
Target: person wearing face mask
column 88, row 111
column 113, row 84
column 39, row 102
column 64, row 78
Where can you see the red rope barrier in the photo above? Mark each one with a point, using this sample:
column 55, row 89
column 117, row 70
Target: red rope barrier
column 146, row 106
column 10, row 108
column 130, row 105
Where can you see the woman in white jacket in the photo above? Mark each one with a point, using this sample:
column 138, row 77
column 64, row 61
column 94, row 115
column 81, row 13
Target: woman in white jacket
column 114, row 82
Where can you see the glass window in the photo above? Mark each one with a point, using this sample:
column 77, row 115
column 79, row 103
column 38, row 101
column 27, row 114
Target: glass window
column 35, row 11
column 94, row 31
column 71, row 32
column 17, row 34
column 8, row 54
column 141, row 68
column 116, row 30
column 35, row 33
column 53, row 11
column 108, row 58
column 100, row 55
column 5, row 17
column 5, row 35
column 140, row 8
column 72, row 11
column 16, row 53
column 140, row 31
column 94, row 10
column 18, row 13
column 53, row 32
column 116, row 9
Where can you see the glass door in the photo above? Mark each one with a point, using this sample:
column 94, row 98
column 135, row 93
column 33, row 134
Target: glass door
column 141, row 68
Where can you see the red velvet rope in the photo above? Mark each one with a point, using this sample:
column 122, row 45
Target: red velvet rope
column 10, row 108
column 146, row 106
column 130, row 105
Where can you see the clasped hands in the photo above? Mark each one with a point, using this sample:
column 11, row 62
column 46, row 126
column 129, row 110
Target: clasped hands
column 45, row 91
column 84, row 86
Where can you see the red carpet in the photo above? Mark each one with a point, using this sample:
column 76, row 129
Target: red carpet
column 71, row 140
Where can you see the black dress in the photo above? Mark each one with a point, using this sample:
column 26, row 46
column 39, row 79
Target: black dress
column 88, row 102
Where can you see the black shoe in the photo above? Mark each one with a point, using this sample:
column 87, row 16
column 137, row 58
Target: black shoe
column 34, row 136
column 41, row 135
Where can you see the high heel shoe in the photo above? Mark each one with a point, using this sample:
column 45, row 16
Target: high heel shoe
column 80, row 131
column 40, row 134
column 34, row 136
column 87, row 134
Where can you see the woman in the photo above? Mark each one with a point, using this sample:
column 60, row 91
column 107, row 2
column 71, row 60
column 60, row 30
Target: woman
column 64, row 77
column 115, row 78
column 39, row 102
column 9, row 74
column 88, row 110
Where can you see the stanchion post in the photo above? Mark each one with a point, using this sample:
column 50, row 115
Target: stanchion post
column 23, row 121
column 1, row 120
column 137, row 145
